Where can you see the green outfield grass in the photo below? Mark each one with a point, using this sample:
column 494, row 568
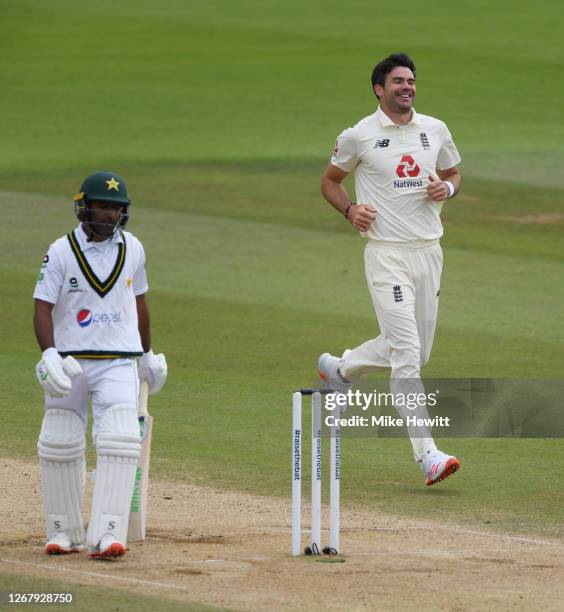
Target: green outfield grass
column 221, row 116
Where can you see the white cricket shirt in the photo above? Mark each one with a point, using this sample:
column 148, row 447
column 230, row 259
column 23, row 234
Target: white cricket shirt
column 392, row 164
column 93, row 286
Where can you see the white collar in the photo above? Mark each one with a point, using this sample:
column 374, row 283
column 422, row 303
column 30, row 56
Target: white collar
column 386, row 121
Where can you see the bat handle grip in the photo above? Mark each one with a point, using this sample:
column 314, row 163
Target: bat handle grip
column 143, row 398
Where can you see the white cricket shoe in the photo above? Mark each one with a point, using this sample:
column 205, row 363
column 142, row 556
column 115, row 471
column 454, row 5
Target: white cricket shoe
column 107, row 547
column 437, row 465
column 328, row 368
column 60, row 544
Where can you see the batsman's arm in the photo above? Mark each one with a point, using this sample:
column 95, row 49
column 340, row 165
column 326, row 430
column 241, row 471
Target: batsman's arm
column 43, row 324
column 360, row 216
column 144, row 322
column 152, row 368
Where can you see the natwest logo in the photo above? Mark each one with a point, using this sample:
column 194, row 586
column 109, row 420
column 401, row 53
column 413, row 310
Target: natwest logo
column 85, row 318
column 407, row 167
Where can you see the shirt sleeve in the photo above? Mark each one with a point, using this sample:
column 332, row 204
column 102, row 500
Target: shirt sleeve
column 448, row 155
column 51, row 277
column 345, row 155
column 140, row 285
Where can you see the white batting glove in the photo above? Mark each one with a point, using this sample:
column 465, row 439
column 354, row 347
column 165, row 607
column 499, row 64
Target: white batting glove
column 154, row 370
column 54, row 373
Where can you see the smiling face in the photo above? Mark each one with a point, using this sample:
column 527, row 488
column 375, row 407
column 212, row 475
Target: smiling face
column 398, row 93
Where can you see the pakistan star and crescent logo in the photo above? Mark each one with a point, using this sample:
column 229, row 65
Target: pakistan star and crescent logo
column 112, row 184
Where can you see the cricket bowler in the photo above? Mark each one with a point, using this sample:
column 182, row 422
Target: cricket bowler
column 92, row 323
column 405, row 167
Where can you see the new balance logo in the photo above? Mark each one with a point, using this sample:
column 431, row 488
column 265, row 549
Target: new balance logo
column 424, row 141
column 398, row 295
column 381, row 144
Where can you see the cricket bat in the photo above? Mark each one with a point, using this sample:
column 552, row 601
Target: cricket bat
column 138, row 512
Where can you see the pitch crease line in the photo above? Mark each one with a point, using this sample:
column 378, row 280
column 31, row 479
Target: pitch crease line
column 494, row 535
column 352, row 530
column 165, row 585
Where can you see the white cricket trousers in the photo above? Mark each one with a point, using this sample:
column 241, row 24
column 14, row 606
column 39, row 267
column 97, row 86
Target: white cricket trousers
column 404, row 282
column 105, row 382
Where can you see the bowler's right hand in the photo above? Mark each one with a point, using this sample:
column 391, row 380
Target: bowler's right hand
column 361, row 216
column 54, row 373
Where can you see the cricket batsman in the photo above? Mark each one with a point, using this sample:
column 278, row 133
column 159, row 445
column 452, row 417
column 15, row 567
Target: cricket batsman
column 405, row 167
column 92, row 323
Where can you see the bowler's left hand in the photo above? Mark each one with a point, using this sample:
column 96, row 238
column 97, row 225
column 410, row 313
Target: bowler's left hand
column 437, row 190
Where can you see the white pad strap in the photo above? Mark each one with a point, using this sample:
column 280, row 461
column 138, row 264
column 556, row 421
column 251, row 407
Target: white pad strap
column 61, row 448
column 118, row 452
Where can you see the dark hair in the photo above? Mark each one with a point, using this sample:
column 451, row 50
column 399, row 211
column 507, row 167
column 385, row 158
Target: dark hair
column 382, row 69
